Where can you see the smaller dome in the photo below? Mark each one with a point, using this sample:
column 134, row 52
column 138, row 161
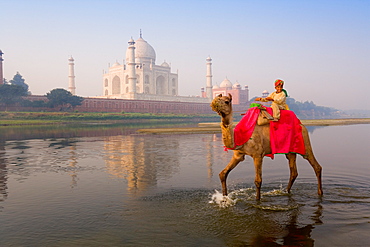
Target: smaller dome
column 116, row 64
column 226, row 83
column 265, row 91
column 215, row 87
column 164, row 64
column 236, row 85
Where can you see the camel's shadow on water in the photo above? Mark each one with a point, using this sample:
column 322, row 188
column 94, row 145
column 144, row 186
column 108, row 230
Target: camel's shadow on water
column 293, row 233
column 276, row 220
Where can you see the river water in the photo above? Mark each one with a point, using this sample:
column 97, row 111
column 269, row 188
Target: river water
column 110, row 186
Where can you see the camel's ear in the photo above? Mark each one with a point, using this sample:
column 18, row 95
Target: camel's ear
column 231, row 97
column 220, row 95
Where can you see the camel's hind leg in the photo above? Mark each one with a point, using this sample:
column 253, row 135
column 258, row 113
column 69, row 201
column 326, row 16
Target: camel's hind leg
column 258, row 178
column 312, row 160
column 235, row 160
column 292, row 157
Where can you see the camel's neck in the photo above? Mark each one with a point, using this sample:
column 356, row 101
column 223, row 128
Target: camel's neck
column 227, row 131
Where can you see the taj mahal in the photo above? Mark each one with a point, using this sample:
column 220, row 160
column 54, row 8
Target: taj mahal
column 140, row 78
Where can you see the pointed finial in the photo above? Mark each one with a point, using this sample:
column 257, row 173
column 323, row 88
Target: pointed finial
column 140, row 34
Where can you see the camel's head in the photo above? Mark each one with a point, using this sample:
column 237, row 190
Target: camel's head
column 222, row 105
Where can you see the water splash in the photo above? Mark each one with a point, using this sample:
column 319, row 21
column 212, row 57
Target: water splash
column 221, row 200
column 276, row 192
column 248, row 197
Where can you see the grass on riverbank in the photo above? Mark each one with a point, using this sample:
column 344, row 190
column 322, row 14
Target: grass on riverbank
column 38, row 118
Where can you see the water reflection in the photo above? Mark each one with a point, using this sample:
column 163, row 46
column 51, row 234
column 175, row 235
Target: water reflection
column 144, row 162
column 140, row 160
column 73, row 154
column 3, row 174
column 117, row 189
column 78, row 130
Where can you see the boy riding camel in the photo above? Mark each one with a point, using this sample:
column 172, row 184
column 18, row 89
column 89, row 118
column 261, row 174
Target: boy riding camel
column 278, row 99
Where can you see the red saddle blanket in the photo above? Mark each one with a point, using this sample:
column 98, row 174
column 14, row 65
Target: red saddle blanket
column 285, row 134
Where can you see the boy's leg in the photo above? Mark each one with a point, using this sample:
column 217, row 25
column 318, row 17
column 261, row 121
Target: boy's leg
column 275, row 110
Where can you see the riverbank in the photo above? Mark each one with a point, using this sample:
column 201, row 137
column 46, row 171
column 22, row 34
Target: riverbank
column 208, row 123
column 215, row 127
column 65, row 118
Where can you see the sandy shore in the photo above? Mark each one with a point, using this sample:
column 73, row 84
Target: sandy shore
column 215, row 127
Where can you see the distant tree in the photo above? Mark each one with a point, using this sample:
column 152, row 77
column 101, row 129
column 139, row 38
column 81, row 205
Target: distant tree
column 18, row 80
column 58, row 97
column 11, row 94
column 36, row 103
column 75, row 101
column 64, row 99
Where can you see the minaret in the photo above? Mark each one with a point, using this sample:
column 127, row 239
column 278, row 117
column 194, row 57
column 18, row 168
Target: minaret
column 131, row 67
column 209, row 78
column 1, row 68
column 71, row 76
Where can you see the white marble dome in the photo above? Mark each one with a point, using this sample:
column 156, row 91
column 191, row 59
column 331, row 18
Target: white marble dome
column 143, row 50
column 226, row 83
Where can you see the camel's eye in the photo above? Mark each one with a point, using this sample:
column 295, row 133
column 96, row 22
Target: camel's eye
column 227, row 102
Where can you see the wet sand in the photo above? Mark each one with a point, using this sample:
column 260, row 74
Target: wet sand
column 215, row 127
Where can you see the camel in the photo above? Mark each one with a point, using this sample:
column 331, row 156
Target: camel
column 257, row 147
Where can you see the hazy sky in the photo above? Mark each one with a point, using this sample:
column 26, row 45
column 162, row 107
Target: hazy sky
column 320, row 48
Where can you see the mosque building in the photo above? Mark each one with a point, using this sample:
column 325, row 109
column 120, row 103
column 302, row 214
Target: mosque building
column 240, row 96
column 140, row 78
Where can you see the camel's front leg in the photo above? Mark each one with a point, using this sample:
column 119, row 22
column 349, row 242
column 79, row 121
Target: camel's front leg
column 235, row 160
column 292, row 157
column 258, row 178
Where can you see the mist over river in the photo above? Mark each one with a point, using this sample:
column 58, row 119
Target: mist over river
column 111, row 186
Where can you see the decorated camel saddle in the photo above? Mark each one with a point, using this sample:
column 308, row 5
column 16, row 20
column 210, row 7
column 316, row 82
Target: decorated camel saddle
column 264, row 116
column 285, row 134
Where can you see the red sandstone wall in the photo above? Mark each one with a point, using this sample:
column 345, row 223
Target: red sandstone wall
column 121, row 105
